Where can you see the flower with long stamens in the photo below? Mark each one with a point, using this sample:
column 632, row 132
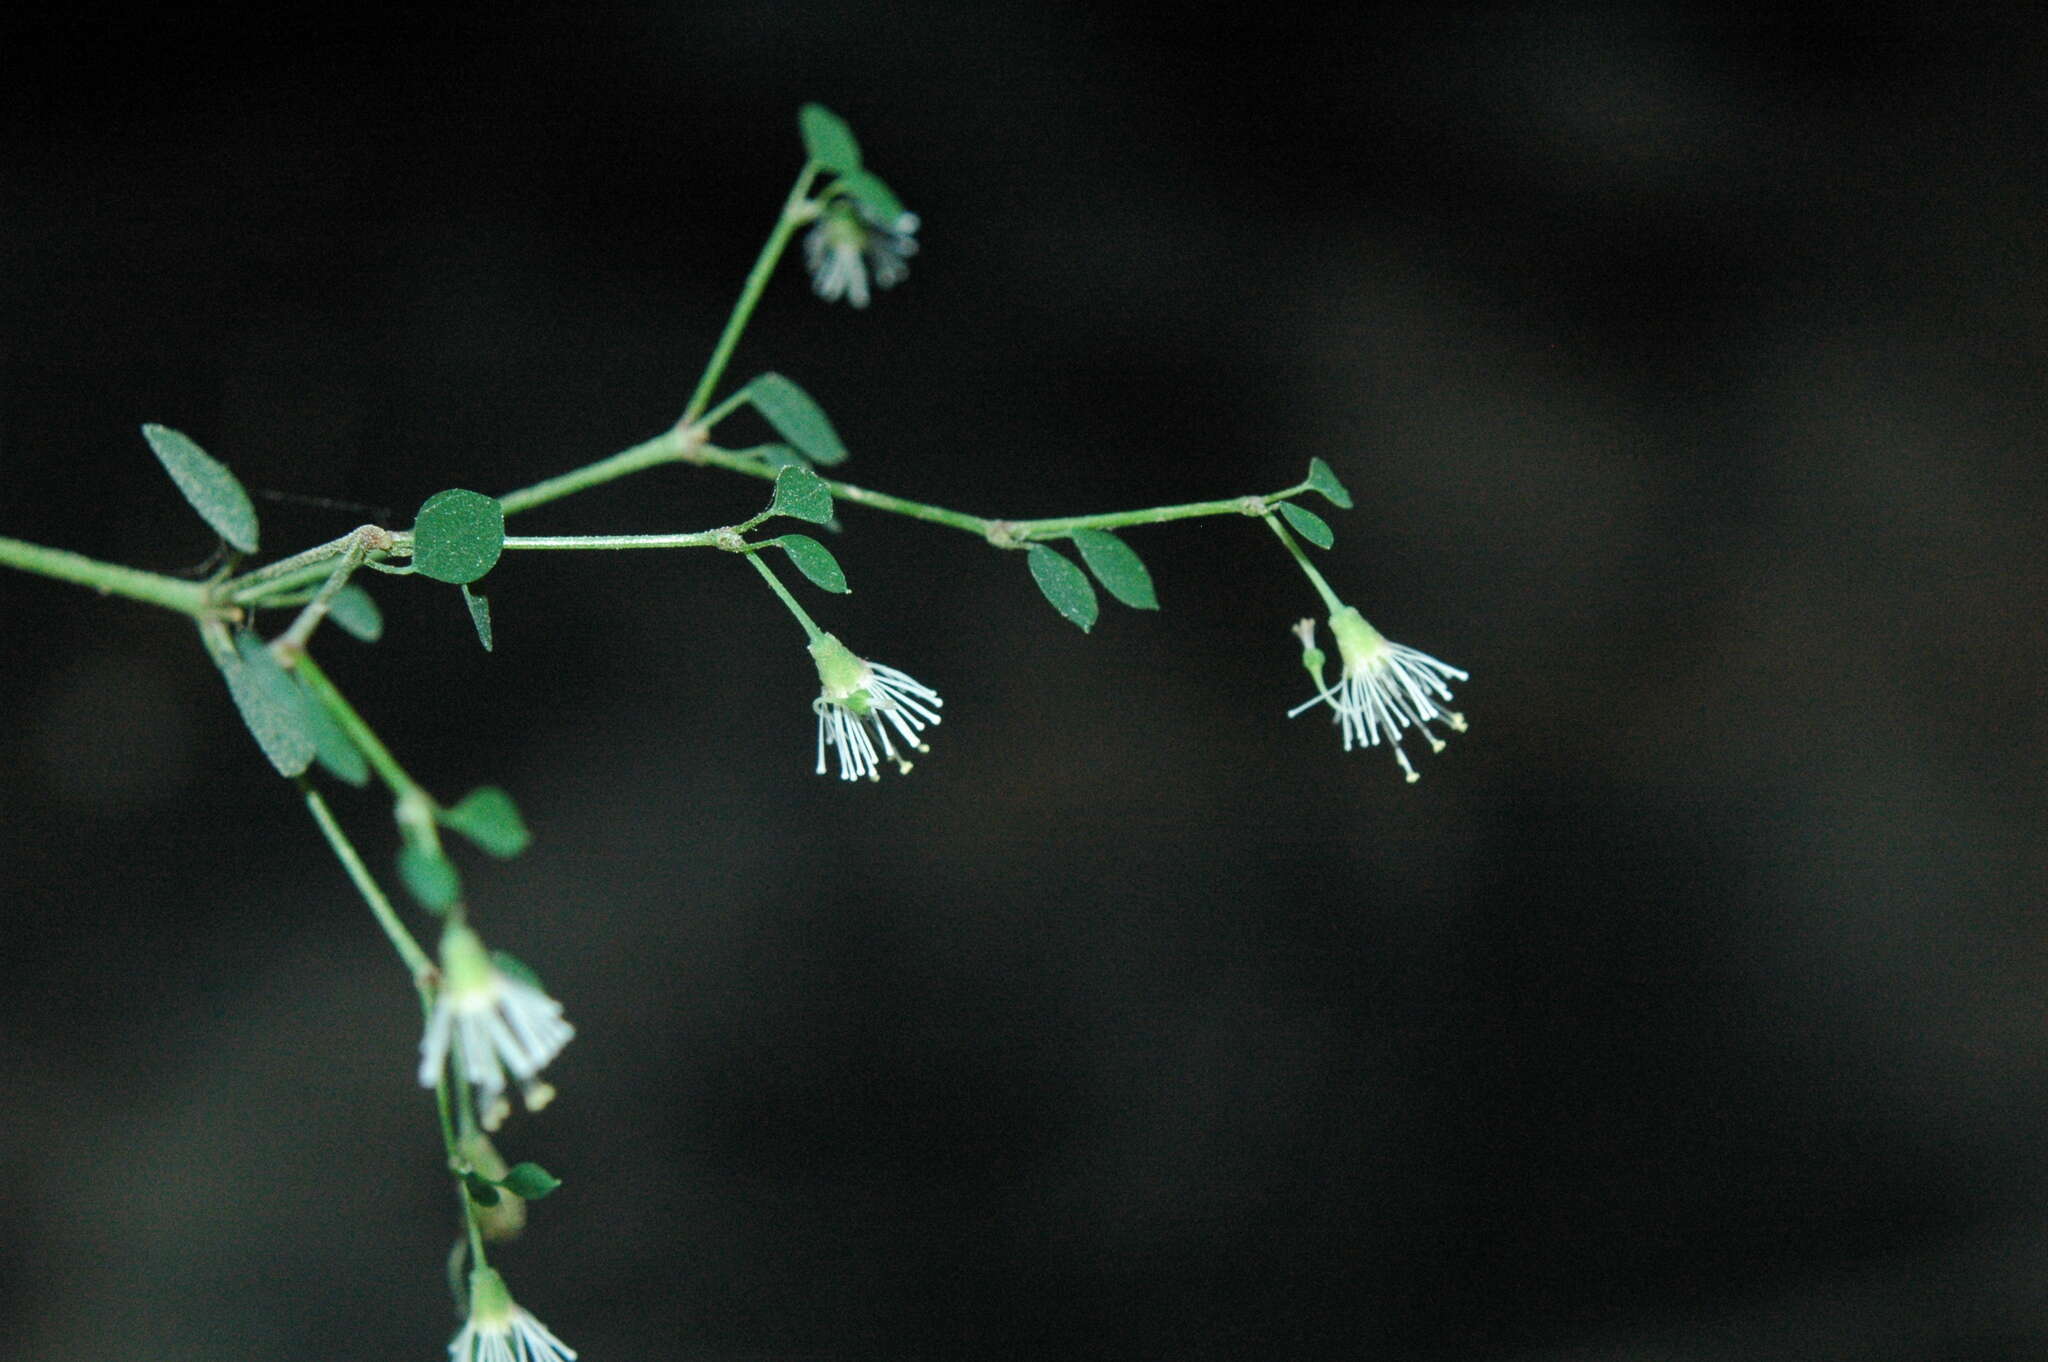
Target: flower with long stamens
column 857, row 706
column 1385, row 688
column 851, row 242
column 494, row 1021
column 498, row 1330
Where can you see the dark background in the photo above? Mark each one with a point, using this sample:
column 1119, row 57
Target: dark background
column 1689, row 375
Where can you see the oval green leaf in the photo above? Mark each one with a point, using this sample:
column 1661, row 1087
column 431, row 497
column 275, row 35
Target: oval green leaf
column 796, row 418
column 1065, row 585
column 529, row 1181
column 879, row 200
column 1117, row 568
column 213, row 491
column 827, row 139
column 1308, row 525
column 801, row 493
column 429, row 875
column 338, row 756
column 272, row 707
column 814, row 561
column 488, row 817
column 1323, row 480
column 355, row 610
column 479, row 615
column 458, row 535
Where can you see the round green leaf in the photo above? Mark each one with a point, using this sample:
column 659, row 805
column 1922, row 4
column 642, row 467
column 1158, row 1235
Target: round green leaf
column 1308, row 525
column 827, row 139
column 488, row 817
column 1323, row 480
column 213, row 491
column 875, row 196
column 458, row 535
column 1117, row 567
column 796, row 418
column 529, row 1181
column 815, row 561
column 429, row 875
column 1065, row 585
column 801, row 493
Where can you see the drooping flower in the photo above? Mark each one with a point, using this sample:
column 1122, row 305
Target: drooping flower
column 857, row 705
column 498, row 1330
column 850, row 242
column 496, row 1022
column 1384, row 689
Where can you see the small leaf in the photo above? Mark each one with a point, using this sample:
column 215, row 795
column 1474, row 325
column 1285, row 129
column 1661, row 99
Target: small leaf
column 814, row 561
column 488, row 817
column 1117, row 567
column 1065, row 585
column 1323, row 480
column 355, row 610
column 213, row 491
column 529, row 1181
column 827, row 139
column 1308, row 525
column 479, row 615
column 796, row 418
column 512, row 965
column 272, row 707
column 338, row 756
column 481, row 1189
column 429, row 875
column 801, row 493
column 458, row 535
column 879, row 200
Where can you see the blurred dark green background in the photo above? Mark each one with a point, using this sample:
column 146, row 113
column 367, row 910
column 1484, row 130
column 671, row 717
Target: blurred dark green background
column 1689, row 376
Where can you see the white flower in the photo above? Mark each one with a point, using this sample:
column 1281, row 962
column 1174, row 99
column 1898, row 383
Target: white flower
column 858, row 704
column 1385, row 687
column 850, row 242
column 499, row 1331
column 496, row 1022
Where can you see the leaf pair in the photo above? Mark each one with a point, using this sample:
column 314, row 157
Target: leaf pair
column 1114, row 564
column 1307, row 523
column 492, row 823
column 830, row 143
column 527, row 1181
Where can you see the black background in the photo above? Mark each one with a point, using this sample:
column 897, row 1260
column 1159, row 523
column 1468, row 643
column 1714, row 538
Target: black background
column 1688, row 374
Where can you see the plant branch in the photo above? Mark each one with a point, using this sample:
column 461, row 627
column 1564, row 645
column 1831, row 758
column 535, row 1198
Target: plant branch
column 111, row 579
column 797, row 210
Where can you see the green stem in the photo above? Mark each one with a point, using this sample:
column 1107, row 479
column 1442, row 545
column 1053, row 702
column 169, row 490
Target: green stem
column 309, row 565
column 416, row 959
column 701, row 539
column 293, row 641
column 1007, row 533
column 796, row 212
column 811, row 629
column 394, row 776
column 109, row 579
column 1301, row 559
column 671, row 446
